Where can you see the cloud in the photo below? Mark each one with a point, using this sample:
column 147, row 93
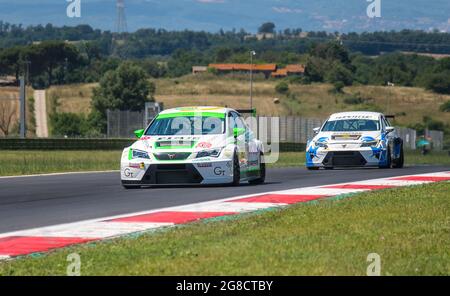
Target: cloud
column 281, row 9
column 211, row 1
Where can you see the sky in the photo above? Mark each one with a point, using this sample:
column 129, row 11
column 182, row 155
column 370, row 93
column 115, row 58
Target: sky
column 212, row 15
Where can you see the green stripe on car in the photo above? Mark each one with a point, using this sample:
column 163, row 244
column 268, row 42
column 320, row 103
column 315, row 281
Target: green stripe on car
column 191, row 114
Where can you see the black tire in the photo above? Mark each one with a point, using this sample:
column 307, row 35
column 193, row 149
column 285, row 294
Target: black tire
column 312, row 168
column 236, row 171
column 400, row 162
column 128, row 187
column 389, row 160
column 262, row 173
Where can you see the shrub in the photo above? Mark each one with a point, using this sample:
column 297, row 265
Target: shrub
column 445, row 107
column 439, row 83
column 69, row 124
column 282, row 88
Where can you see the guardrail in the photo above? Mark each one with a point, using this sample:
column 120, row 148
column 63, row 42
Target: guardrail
column 64, row 144
column 94, row 144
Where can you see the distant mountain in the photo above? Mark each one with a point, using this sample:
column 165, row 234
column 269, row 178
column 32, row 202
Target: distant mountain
column 212, row 15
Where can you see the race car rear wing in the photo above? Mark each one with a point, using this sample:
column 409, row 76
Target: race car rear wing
column 247, row 111
column 389, row 116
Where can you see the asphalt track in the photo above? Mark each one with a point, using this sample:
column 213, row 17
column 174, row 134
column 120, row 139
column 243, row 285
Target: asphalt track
column 30, row 202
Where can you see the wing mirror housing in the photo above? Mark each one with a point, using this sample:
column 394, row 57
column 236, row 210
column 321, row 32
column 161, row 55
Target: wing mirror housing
column 316, row 130
column 238, row 132
column 390, row 129
column 139, row 133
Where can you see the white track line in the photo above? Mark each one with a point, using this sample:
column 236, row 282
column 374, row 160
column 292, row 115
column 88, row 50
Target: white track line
column 234, row 207
column 94, row 230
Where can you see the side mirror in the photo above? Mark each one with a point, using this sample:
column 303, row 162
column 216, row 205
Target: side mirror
column 390, row 129
column 139, row 133
column 238, row 132
column 316, row 130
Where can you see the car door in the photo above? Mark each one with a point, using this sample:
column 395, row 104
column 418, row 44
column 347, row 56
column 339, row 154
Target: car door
column 242, row 141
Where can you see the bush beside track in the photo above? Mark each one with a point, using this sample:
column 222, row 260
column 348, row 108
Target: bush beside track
column 94, row 144
column 407, row 227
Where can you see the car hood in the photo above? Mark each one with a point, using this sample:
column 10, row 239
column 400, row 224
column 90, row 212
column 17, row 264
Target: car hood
column 347, row 137
column 180, row 143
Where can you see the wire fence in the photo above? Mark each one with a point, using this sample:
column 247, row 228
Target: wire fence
column 284, row 129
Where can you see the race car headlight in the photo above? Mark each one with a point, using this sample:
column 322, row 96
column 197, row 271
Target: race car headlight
column 139, row 154
column 321, row 144
column 370, row 144
column 209, row 153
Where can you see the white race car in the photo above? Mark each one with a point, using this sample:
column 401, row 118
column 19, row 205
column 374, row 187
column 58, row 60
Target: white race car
column 354, row 139
column 194, row 145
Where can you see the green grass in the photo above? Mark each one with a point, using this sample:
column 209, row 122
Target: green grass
column 39, row 162
column 408, row 227
column 435, row 157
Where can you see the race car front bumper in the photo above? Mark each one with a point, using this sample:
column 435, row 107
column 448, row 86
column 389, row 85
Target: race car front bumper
column 177, row 173
column 370, row 157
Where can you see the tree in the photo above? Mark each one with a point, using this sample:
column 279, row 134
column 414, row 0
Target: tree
column 8, row 113
column 339, row 73
column 47, row 56
column 126, row 88
column 439, row 82
column 268, row 27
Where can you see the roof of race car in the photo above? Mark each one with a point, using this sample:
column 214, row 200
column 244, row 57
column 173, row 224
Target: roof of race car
column 195, row 111
column 355, row 115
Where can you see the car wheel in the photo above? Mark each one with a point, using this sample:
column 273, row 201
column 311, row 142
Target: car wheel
column 312, row 168
column 400, row 162
column 127, row 187
column 236, row 171
column 262, row 172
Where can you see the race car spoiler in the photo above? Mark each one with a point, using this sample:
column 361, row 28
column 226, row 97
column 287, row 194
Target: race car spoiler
column 247, row 111
column 390, row 116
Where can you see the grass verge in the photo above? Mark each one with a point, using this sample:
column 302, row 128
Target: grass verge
column 40, row 162
column 408, row 227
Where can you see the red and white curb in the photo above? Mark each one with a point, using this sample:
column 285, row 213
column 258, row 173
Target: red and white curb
column 44, row 239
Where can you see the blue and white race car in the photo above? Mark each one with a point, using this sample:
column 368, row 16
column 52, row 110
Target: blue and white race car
column 355, row 139
column 194, row 145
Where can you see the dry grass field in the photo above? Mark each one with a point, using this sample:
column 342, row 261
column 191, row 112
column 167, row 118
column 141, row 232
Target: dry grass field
column 315, row 100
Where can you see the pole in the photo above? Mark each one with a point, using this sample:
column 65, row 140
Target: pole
column 22, row 107
column 252, row 53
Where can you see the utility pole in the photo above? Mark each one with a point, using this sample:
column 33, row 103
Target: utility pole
column 22, row 107
column 252, row 54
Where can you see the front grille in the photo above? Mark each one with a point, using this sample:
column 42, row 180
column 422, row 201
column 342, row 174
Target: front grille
column 172, row 156
column 344, row 158
column 161, row 174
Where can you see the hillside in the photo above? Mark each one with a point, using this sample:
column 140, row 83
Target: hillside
column 315, row 100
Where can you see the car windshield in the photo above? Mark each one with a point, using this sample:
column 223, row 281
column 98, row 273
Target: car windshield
column 186, row 126
column 352, row 125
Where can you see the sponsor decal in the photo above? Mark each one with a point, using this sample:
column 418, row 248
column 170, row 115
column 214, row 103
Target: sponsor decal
column 134, row 165
column 128, row 173
column 140, row 166
column 202, row 160
column 204, row 145
column 204, row 165
column 218, row 171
